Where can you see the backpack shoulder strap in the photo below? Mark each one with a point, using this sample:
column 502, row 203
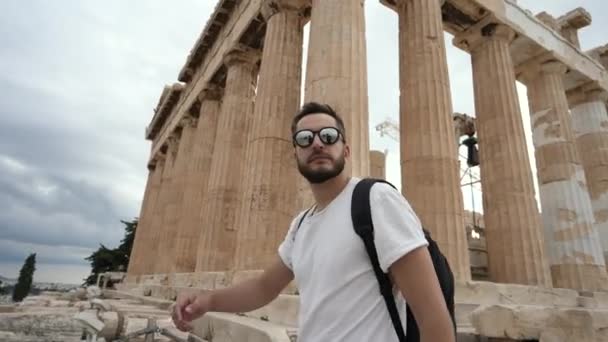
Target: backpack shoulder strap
column 362, row 222
column 300, row 222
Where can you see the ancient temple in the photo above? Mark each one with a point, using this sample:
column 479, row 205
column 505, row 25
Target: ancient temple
column 223, row 187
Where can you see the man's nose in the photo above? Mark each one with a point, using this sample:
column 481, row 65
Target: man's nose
column 317, row 144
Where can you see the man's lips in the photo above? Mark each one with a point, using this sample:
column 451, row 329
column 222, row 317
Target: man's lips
column 319, row 157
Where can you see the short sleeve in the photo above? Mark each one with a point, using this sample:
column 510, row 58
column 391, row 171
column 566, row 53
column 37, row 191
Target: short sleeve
column 397, row 229
column 286, row 247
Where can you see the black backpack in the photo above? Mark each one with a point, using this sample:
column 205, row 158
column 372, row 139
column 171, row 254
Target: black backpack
column 364, row 227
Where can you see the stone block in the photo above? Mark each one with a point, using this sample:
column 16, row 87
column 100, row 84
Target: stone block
column 520, row 322
column 7, row 308
column 283, row 311
column 210, row 280
column 93, row 292
column 218, row 327
column 182, row 279
column 241, row 276
column 493, row 293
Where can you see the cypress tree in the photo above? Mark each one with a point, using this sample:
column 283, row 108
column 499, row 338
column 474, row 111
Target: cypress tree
column 26, row 277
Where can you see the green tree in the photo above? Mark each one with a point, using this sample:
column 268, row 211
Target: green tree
column 26, row 277
column 105, row 259
column 2, row 288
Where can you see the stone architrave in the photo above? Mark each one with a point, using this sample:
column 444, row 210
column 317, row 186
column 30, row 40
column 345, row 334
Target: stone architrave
column 377, row 164
column 429, row 159
column 170, row 203
column 269, row 203
column 590, row 128
column 224, row 191
column 196, row 181
column 576, row 257
column 336, row 74
column 513, row 229
column 142, row 233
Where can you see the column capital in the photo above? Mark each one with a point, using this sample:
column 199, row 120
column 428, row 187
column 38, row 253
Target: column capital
column 241, row 54
column 272, row 7
column 589, row 92
column 188, row 121
column 543, row 64
column 211, row 92
column 157, row 160
column 484, row 31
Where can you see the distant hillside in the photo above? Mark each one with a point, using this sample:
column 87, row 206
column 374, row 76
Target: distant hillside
column 7, row 280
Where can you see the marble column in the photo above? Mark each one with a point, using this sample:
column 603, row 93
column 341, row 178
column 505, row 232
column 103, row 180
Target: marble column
column 170, row 202
column 429, row 159
column 590, row 128
column 224, row 190
column 196, row 181
column 513, row 228
column 377, row 164
column 174, row 210
column 156, row 226
column 336, row 74
column 574, row 249
column 140, row 251
column 270, row 200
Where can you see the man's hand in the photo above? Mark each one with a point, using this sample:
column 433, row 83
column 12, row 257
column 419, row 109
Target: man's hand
column 188, row 307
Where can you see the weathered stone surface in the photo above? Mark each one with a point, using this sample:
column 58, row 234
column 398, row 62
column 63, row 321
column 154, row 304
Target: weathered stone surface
column 197, row 178
column 377, row 164
column 93, row 292
column 227, row 328
column 7, row 308
column 494, row 293
column 521, row 322
column 429, row 159
column 269, row 202
column 576, row 257
column 223, row 197
column 50, row 325
column 590, row 127
column 513, row 230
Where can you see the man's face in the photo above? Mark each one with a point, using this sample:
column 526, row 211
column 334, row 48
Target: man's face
column 321, row 161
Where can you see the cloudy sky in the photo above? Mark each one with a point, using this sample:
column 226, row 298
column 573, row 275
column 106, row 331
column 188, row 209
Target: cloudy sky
column 79, row 81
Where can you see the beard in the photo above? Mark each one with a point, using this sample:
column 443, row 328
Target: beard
column 320, row 176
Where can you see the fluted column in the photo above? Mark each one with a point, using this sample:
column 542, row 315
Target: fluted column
column 429, row 159
column 590, row 126
column 576, row 257
column 152, row 264
column 224, row 191
column 513, row 229
column 142, row 234
column 270, row 180
column 174, row 208
column 377, row 164
column 196, row 180
column 170, row 201
column 336, row 74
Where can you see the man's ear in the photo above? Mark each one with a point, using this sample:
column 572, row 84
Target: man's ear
column 346, row 151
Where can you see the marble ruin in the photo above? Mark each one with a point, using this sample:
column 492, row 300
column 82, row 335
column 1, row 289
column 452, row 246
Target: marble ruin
column 223, row 186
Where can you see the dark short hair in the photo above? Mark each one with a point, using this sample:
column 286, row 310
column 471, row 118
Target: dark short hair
column 316, row 108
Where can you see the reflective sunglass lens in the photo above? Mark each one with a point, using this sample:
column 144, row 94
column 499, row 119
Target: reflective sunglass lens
column 304, row 138
column 329, row 135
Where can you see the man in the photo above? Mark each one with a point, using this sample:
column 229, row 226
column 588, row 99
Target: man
column 339, row 296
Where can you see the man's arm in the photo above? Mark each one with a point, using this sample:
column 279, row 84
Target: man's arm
column 247, row 296
column 415, row 276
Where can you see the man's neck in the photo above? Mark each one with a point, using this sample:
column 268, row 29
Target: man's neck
column 325, row 192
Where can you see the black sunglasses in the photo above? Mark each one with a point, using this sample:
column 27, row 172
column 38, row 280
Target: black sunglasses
column 327, row 135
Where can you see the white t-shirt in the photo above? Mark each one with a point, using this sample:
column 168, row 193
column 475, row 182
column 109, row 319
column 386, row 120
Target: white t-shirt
column 339, row 295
